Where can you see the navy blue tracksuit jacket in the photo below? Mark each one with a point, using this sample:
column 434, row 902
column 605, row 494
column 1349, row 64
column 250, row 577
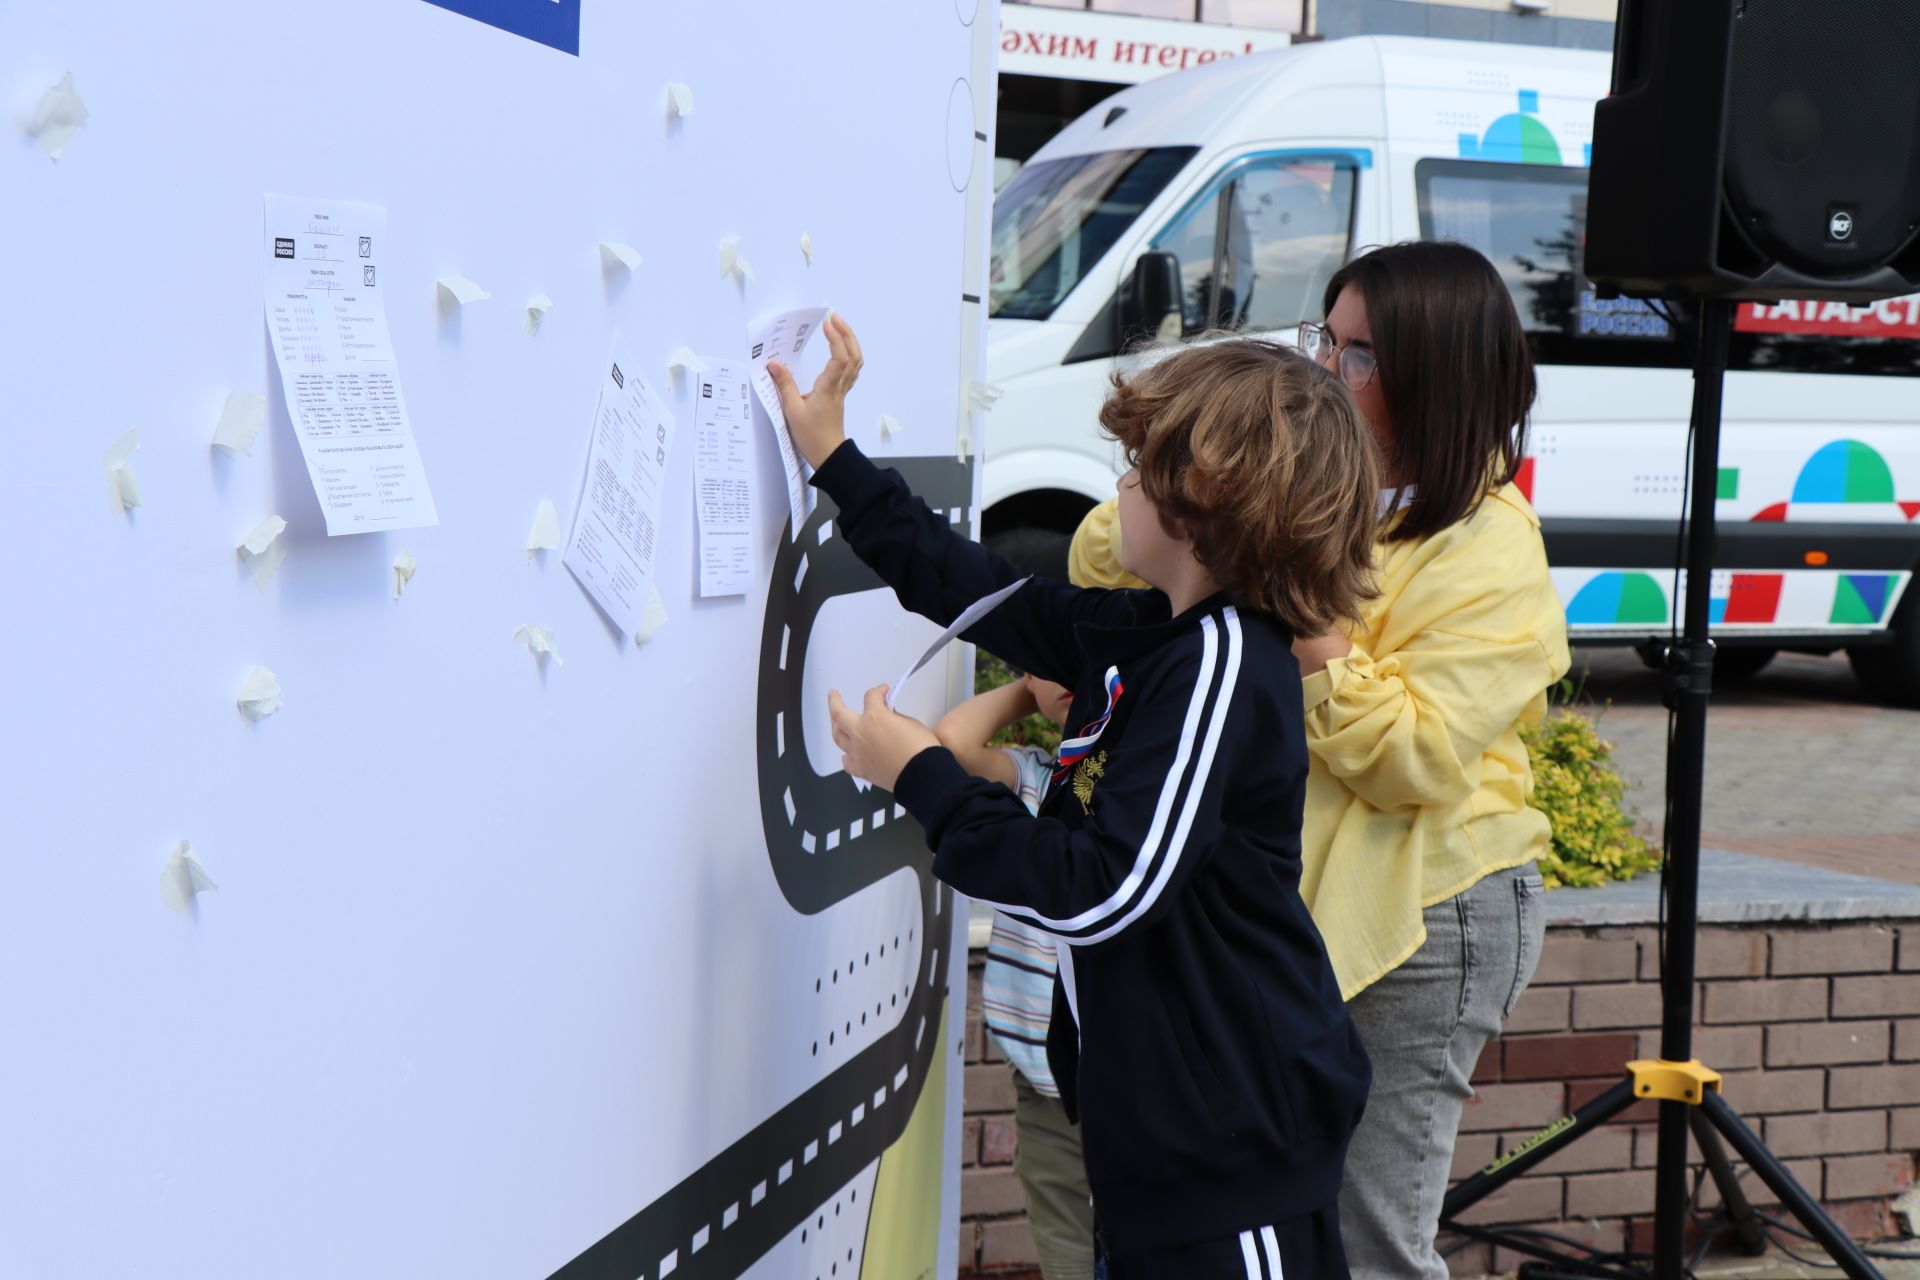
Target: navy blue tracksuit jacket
column 1199, row 1035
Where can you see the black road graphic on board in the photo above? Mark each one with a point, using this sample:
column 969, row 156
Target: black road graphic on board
column 826, row 841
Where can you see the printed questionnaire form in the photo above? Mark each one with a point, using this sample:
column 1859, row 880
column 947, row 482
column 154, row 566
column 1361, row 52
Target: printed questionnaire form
column 723, row 478
column 617, row 522
column 328, row 322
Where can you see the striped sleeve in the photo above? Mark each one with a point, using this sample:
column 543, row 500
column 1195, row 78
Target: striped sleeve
column 1122, row 866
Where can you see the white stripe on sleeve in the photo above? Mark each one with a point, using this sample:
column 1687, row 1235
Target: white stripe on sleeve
column 1063, row 952
column 1170, row 793
column 1191, row 805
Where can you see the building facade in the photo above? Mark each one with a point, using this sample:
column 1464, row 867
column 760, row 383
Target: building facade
column 1060, row 57
column 1577, row 24
column 1568, row 24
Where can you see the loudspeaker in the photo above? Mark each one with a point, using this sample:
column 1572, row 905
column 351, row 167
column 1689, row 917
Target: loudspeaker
column 1759, row 149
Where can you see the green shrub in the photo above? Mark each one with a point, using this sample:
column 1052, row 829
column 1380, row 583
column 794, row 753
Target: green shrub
column 1577, row 786
column 1034, row 731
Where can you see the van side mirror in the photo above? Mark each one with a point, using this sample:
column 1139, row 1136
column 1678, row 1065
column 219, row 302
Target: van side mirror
column 1150, row 300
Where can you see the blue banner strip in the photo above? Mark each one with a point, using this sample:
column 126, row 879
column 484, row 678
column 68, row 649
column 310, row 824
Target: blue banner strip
column 554, row 23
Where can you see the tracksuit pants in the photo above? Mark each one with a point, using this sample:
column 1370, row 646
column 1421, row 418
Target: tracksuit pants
column 1304, row 1248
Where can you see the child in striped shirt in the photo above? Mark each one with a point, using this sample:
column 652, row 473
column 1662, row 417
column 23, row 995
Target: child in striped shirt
column 1017, row 988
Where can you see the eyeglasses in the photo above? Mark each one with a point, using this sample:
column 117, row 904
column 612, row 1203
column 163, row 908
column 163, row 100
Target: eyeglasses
column 1356, row 365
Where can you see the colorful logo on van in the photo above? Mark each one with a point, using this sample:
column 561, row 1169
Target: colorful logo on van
column 1615, row 599
column 1752, row 598
column 1860, row 599
column 1799, row 598
column 1844, row 471
column 1519, row 138
column 1843, row 474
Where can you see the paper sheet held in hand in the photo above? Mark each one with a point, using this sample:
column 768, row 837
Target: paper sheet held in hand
column 783, row 337
column 973, row 613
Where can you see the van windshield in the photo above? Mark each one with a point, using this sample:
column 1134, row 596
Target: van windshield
column 1056, row 218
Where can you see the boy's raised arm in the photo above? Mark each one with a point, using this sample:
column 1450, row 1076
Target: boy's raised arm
column 933, row 570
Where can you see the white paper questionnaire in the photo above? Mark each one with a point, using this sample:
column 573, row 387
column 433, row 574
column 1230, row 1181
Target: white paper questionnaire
column 973, row 613
column 616, row 524
column 328, row 321
column 783, row 337
column 723, row 478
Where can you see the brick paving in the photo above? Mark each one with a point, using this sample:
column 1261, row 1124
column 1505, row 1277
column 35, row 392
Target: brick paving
column 1801, row 765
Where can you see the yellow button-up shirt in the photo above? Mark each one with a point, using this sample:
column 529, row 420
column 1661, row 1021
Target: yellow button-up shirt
column 1418, row 781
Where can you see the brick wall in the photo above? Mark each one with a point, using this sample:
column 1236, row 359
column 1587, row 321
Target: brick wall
column 993, row 1219
column 1815, row 1027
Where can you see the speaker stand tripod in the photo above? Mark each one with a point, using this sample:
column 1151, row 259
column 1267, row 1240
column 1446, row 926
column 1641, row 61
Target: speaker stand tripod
column 1688, row 1092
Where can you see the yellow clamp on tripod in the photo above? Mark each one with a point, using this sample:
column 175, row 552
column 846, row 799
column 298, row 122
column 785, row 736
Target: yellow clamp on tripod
column 1673, row 1081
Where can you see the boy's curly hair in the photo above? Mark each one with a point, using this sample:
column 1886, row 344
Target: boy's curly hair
column 1259, row 459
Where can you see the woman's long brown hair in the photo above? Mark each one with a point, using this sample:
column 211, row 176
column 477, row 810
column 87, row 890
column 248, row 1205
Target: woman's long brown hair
column 1455, row 370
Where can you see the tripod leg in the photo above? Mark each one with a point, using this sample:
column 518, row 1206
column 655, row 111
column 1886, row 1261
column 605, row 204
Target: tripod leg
column 1556, row 1136
column 1796, row 1200
column 1746, row 1227
column 1566, row 1129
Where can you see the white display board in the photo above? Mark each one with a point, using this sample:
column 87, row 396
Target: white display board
column 514, row 969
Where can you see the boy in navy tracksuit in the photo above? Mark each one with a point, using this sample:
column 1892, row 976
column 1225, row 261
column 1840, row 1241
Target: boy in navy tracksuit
column 1199, row 1033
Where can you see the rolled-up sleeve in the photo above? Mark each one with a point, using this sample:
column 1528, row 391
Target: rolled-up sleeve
column 1408, row 729
column 1471, row 634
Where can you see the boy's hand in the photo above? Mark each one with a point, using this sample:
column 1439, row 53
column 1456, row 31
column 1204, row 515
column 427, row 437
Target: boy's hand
column 817, row 420
column 879, row 742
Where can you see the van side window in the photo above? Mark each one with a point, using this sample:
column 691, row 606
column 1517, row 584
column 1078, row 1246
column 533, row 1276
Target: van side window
column 1531, row 220
column 1257, row 251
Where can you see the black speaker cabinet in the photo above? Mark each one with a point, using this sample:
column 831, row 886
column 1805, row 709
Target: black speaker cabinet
column 1759, row 149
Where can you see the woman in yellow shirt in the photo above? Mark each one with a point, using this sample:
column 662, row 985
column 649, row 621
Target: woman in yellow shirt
column 1419, row 845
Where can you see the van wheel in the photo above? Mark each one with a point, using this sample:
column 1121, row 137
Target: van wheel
column 1039, row 551
column 1738, row 664
column 1891, row 671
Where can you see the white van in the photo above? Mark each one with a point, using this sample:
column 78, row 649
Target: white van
column 1227, row 196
